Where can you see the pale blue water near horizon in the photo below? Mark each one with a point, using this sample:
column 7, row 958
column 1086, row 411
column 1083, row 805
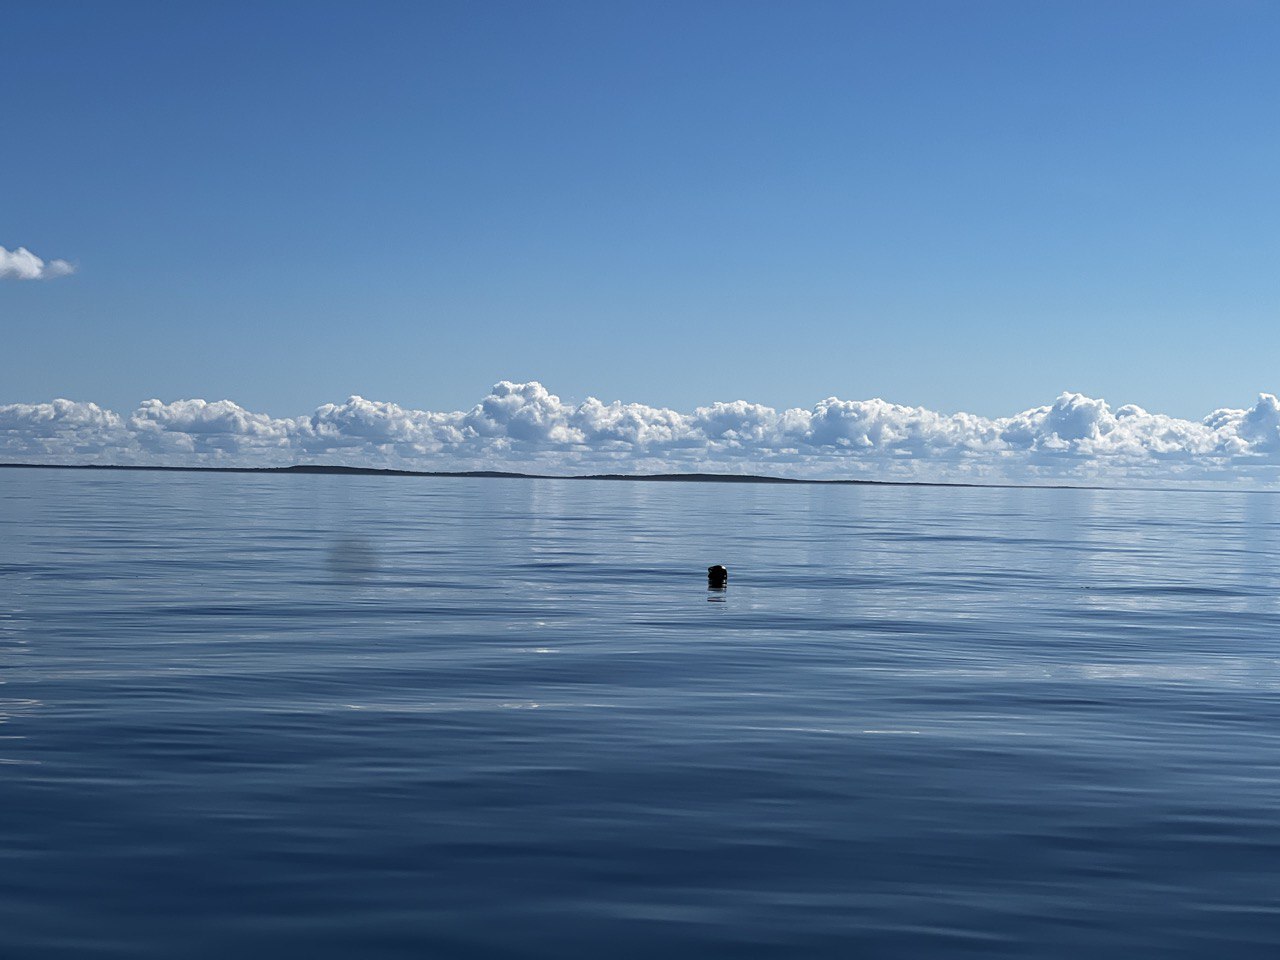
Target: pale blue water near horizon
column 325, row 716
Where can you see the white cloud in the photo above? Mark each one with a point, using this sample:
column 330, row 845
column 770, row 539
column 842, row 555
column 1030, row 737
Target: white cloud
column 61, row 431
column 217, row 431
column 523, row 426
column 22, row 264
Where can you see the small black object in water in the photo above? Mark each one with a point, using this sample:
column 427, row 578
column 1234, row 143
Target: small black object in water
column 717, row 577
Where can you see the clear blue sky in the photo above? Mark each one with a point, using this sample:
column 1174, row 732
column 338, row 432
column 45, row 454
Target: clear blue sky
column 962, row 205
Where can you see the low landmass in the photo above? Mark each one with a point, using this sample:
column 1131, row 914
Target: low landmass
column 513, row 475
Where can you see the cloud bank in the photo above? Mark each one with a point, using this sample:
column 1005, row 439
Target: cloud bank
column 524, row 427
column 22, row 264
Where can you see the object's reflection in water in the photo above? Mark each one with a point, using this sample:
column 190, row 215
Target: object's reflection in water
column 717, row 583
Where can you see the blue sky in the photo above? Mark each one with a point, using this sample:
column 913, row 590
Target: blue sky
column 964, row 206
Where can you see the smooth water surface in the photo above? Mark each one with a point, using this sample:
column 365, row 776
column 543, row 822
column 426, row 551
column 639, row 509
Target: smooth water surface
column 325, row 716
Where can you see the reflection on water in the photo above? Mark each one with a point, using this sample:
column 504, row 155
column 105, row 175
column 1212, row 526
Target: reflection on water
column 390, row 717
column 717, row 582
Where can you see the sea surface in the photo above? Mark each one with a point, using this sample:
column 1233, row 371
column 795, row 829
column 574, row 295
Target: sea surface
column 383, row 717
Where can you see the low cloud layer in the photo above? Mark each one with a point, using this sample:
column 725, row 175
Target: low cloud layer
column 522, row 426
column 22, row 264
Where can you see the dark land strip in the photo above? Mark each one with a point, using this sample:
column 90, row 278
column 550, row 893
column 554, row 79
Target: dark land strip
column 511, row 475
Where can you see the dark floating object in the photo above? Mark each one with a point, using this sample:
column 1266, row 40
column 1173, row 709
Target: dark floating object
column 717, row 577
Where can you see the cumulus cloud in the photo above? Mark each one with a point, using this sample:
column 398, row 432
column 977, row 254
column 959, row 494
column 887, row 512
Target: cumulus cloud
column 61, row 431
column 525, row 427
column 22, row 264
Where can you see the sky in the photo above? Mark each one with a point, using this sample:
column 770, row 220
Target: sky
column 976, row 207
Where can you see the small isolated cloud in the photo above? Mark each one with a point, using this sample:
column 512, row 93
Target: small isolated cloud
column 525, row 427
column 22, row 264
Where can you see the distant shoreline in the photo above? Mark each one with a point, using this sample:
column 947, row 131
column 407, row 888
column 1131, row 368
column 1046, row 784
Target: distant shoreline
column 512, row 475
column 335, row 470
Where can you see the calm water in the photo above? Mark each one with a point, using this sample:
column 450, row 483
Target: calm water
column 249, row 716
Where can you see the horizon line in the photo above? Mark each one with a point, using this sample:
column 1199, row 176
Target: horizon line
column 342, row 470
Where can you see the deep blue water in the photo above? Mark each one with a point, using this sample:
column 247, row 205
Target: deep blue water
column 247, row 716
